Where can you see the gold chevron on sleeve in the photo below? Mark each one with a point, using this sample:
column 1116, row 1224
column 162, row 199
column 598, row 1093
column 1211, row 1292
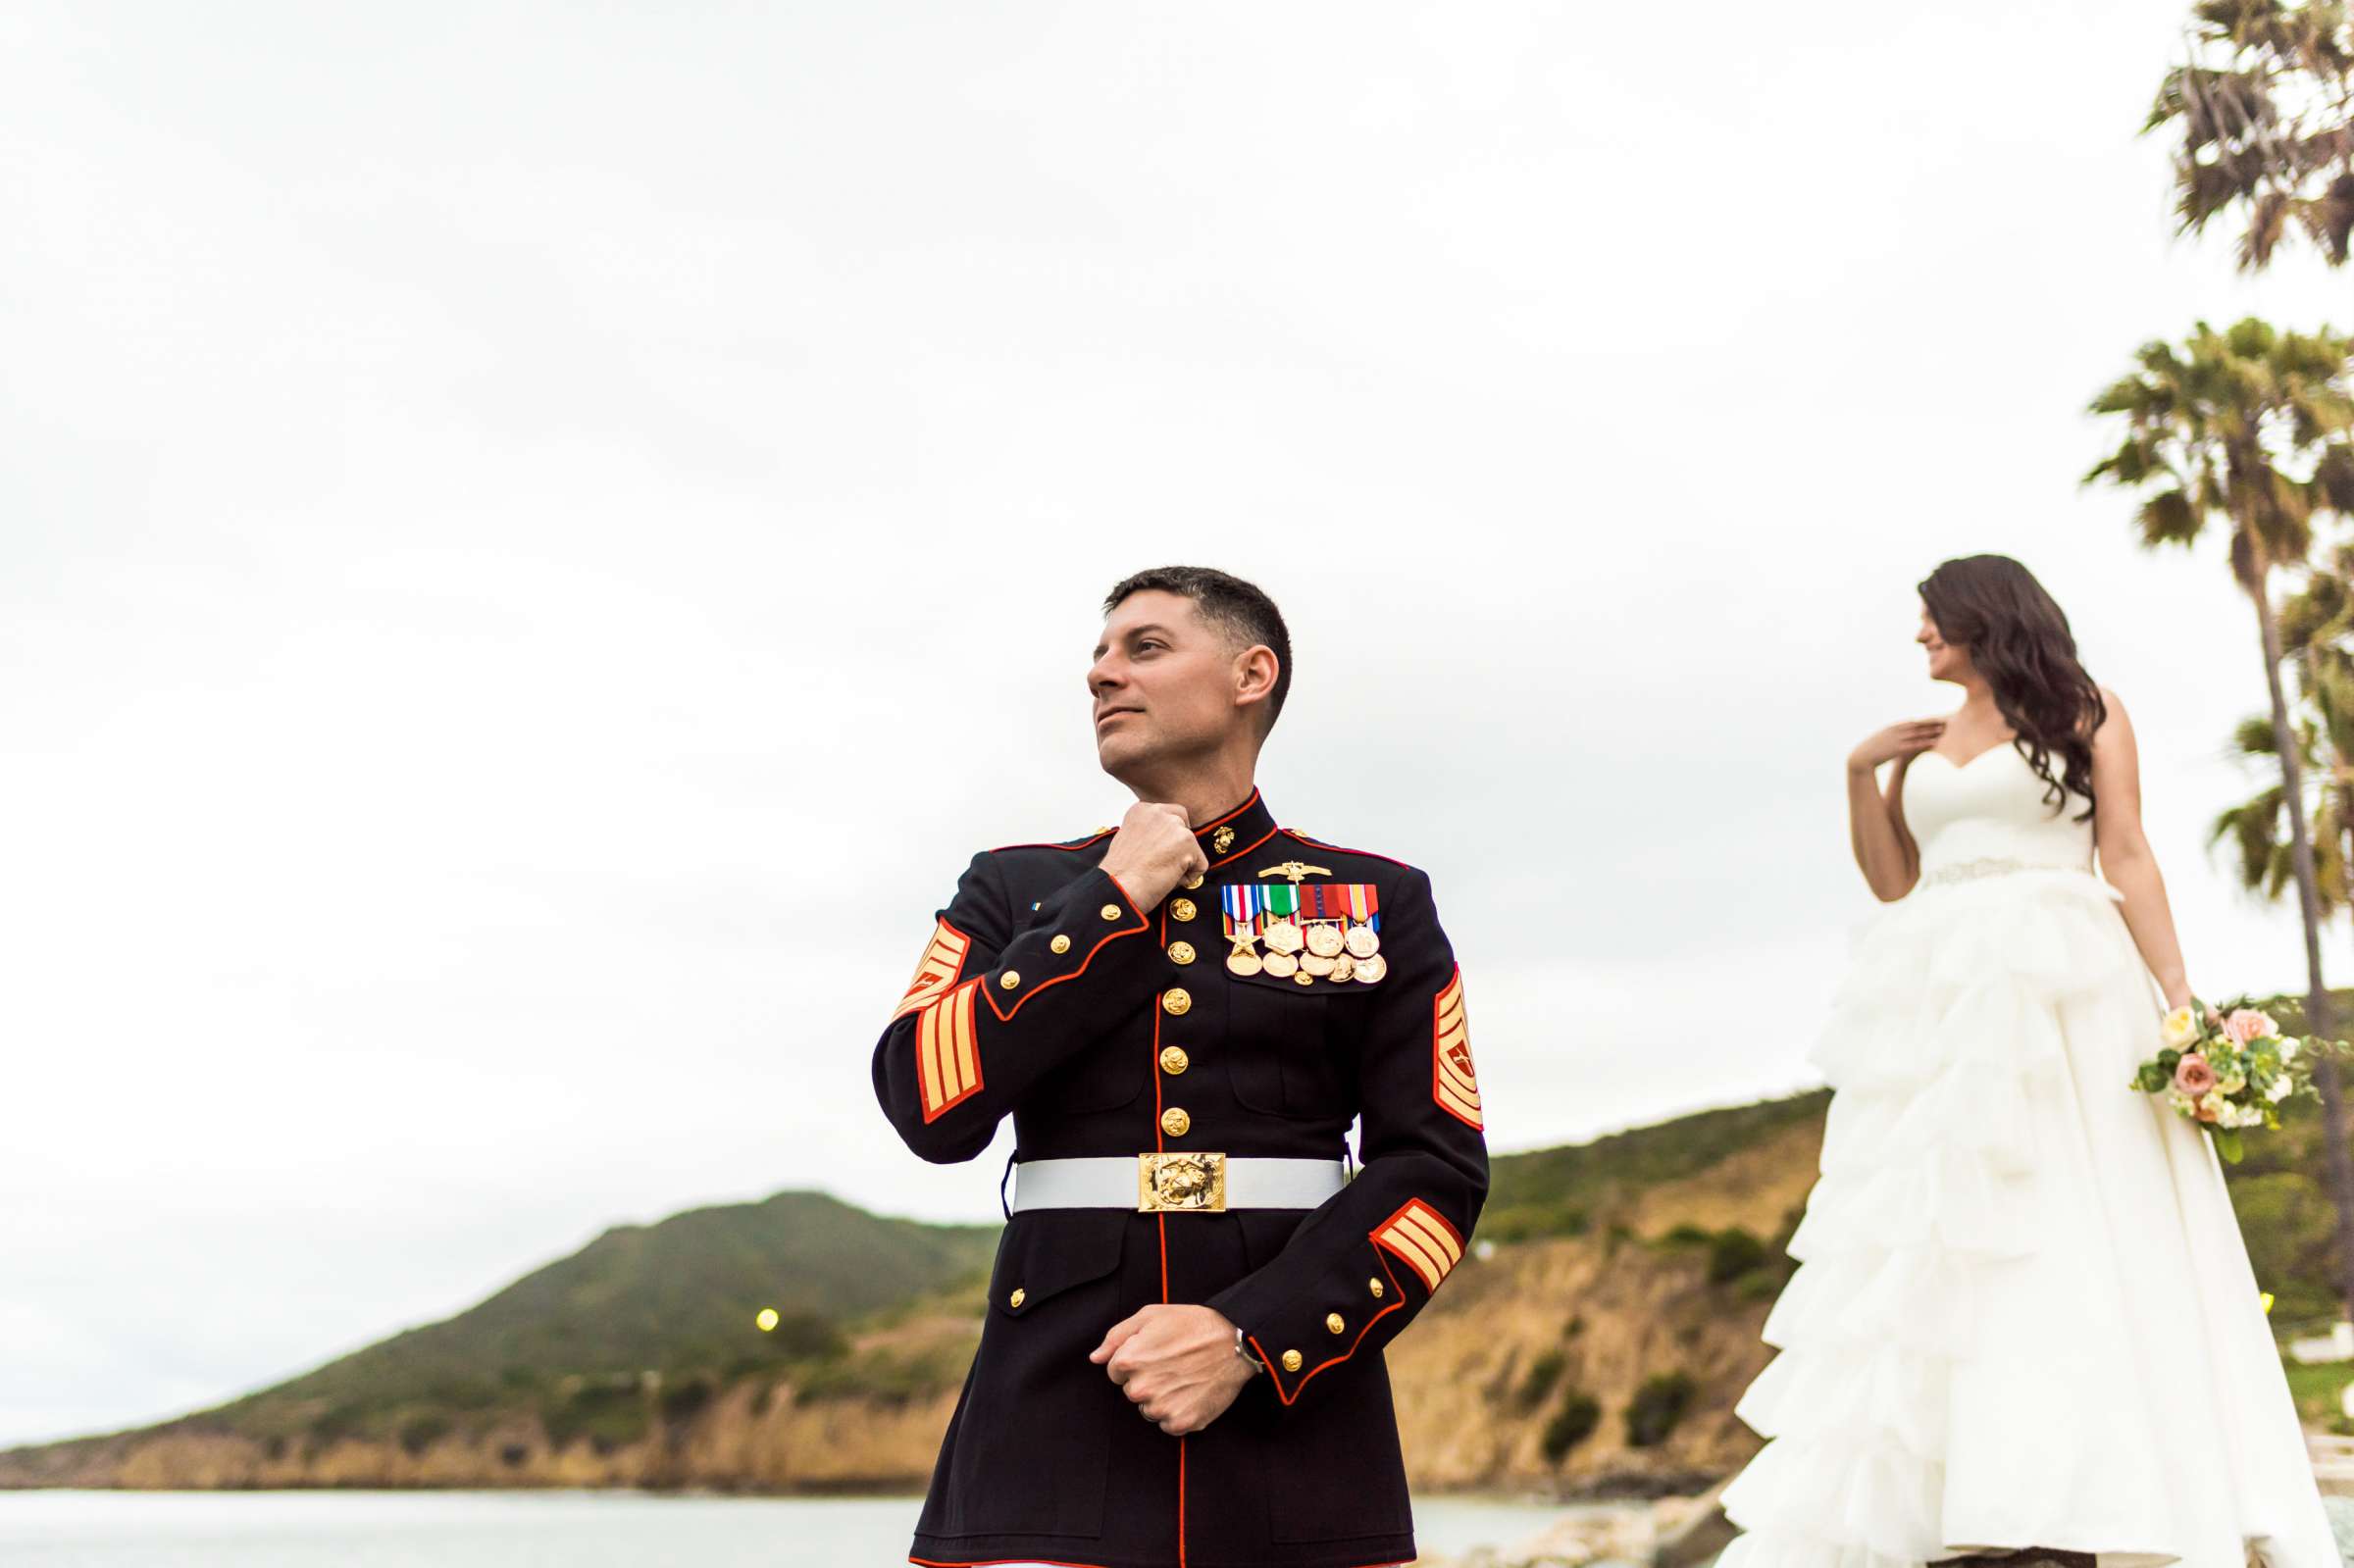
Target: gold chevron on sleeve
column 947, row 1058
column 937, row 970
column 1454, row 1082
column 1430, row 1247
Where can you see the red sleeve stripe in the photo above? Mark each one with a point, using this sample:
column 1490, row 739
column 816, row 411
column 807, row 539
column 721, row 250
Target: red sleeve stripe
column 937, row 970
column 1430, row 1247
column 947, row 1064
column 1454, row 1082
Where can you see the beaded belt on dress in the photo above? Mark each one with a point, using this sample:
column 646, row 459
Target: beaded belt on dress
column 1989, row 866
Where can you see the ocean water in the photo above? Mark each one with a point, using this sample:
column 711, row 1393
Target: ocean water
column 528, row 1529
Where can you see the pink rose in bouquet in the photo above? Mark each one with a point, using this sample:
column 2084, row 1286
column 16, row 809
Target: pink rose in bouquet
column 2247, row 1026
column 2193, row 1076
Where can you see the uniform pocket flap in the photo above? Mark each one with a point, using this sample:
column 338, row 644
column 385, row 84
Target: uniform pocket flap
column 1046, row 1252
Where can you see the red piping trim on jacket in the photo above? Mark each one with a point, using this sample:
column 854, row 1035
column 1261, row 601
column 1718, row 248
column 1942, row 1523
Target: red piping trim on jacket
column 1344, row 849
column 1094, row 837
column 1246, row 849
column 1249, row 801
column 1396, row 1289
column 1142, row 922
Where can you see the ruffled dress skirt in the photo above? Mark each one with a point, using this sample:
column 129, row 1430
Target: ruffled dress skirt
column 2024, row 1315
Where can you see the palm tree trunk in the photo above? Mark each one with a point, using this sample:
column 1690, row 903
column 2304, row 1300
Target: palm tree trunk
column 2309, row 906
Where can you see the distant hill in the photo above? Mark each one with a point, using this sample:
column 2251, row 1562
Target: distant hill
column 677, row 1298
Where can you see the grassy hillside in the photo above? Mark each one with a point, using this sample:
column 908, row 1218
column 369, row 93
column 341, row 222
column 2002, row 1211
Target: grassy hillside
column 572, row 1341
column 1562, row 1192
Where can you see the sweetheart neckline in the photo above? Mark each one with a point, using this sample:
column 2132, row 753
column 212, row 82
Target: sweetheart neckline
column 1999, row 746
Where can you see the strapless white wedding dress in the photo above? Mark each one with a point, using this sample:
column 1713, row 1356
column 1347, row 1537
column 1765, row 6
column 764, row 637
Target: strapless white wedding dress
column 2024, row 1315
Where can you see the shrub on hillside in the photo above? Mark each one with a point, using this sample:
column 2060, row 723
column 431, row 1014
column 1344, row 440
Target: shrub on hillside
column 1538, row 1385
column 1572, row 1424
column 684, row 1397
column 1732, row 1253
column 419, row 1433
column 1657, row 1406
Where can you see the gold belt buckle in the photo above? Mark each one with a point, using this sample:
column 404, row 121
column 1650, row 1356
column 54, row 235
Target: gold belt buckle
column 1181, row 1183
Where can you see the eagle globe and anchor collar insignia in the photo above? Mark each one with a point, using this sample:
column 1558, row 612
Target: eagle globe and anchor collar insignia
column 1311, row 931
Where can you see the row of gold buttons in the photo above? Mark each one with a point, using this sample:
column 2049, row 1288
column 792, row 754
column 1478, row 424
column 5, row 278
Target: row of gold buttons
column 1177, row 1001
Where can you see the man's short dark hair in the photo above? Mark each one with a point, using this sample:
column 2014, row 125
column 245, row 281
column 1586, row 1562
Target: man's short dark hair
column 1235, row 607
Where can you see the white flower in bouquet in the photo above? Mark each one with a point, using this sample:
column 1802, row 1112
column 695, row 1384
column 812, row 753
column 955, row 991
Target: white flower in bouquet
column 2180, row 1103
column 2282, row 1088
column 2181, row 1027
column 2213, row 1107
column 2288, row 1050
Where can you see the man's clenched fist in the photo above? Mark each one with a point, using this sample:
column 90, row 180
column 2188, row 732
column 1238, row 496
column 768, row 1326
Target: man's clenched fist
column 1152, row 853
column 1177, row 1363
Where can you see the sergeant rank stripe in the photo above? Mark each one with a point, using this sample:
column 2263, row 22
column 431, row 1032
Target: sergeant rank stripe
column 1453, row 1081
column 1427, row 1242
column 937, row 970
column 947, row 1068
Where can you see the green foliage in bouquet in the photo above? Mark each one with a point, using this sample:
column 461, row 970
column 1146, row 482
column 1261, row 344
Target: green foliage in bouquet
column 2229, row 1068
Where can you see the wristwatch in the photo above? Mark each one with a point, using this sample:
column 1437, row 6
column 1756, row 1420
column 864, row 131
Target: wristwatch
column 1257, row 1365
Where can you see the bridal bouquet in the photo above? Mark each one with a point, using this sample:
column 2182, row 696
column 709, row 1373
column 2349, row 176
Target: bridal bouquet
column 2227, row 1070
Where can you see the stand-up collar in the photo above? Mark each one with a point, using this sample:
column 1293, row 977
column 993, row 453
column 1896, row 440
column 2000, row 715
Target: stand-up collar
column 1236, row 832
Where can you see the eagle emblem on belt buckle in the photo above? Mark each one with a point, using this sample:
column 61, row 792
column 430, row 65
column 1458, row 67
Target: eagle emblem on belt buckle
column 1176, row 1182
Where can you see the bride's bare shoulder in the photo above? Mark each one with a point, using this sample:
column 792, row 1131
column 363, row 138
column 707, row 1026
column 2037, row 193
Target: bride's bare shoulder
column 2114, row 726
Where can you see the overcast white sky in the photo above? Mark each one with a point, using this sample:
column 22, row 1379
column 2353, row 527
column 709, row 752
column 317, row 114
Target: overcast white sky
column 535, row 541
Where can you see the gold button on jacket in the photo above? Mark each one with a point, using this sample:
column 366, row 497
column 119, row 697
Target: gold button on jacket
column 1010, row 980
column 1292, row 1360
column 1335, row 1322
column 1181, row 952
column 1183, row 909
column 1017, row 1299
column 1175, row 1122
column 1173, row 1060
column 1375, row 1285
column 1177, row 1002
column 1060, row 944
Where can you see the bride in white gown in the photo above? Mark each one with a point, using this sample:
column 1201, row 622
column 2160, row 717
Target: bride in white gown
column 2024, row 1320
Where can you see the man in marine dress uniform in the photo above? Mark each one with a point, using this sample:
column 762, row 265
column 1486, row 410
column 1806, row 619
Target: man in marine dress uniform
column 1181, row 1363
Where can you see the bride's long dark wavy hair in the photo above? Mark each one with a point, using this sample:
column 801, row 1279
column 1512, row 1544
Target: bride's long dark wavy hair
column 2019, row 639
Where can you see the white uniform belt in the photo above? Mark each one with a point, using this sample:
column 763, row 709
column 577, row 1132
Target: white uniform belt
column 1175, row 1183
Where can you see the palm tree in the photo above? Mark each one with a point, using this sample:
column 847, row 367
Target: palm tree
column 2314, row 627
column 2265, row 110
column 2245, row 431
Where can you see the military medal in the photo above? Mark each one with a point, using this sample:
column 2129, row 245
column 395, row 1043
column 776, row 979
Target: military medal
column 1324, row 931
